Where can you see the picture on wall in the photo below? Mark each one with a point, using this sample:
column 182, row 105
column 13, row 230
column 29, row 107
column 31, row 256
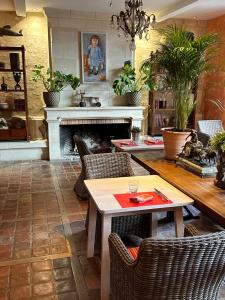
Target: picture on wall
column 93, row 51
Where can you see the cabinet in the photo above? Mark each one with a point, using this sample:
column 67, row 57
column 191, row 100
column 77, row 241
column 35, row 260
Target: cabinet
column 13, row 94
column 161, row 107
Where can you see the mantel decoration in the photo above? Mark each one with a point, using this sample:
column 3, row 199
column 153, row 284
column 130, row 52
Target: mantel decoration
column 183, row 58
column 133, row 21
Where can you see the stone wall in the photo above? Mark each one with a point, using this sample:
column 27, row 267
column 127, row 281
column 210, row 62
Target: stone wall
column 215, row 80
column 35, row 40
column 66, row 27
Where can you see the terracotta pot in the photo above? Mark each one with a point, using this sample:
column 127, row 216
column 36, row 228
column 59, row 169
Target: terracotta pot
column 173, row 142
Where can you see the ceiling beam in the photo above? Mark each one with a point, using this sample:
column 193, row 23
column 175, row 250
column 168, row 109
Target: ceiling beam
column 176, row 10
column 20, row 7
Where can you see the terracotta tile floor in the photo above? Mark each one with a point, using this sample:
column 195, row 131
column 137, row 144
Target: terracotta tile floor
column 42, row 234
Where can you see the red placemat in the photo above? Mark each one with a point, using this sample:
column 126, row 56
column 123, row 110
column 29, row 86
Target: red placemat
column 125, row 143
column 124, row 200
column 154, row 142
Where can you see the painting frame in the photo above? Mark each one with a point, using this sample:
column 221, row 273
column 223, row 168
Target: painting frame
column 93, row 57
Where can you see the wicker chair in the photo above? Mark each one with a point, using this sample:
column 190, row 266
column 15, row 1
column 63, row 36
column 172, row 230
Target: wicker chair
column 207, row 129
column 190, row 268
column 111, row 165
column 79, row 187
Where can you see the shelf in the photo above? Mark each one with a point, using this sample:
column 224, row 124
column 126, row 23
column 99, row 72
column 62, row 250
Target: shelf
column 5, row 48
column 11, row 110
column 10, row 70
column 11, row 91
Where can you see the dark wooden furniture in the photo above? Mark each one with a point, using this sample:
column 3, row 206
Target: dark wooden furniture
column 186, row 268
column 208, row 198
column 15, row 109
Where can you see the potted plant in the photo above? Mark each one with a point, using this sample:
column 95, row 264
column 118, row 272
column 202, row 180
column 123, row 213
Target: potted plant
column 183, row 58
column 130, row 84
column 135, row 133
column 217, row 142
column 54, row 82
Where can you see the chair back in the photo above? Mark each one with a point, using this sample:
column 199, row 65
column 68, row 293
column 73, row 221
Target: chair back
column 210, row 127
column 173, row 269
column 108, row 165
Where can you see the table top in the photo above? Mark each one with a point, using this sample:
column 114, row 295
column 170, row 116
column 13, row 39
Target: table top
column 208, row 198
column 102, row 191
column 140, row 146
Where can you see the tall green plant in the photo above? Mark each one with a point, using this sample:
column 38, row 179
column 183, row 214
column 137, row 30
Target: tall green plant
column 184, row 58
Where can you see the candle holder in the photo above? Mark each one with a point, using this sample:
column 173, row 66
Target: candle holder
column 17, row 78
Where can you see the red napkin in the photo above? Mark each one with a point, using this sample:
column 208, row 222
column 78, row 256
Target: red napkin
column 154, row 142
column 125, row 143
column 124, row 199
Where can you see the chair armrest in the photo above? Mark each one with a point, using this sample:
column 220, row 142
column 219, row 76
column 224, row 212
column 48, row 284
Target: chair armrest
column 204, row 138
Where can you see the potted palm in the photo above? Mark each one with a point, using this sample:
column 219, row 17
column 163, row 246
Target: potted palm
column 54, row 82
column 183, row 58
column 130, row 85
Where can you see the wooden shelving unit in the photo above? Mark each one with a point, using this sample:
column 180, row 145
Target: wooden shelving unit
column 12, row 133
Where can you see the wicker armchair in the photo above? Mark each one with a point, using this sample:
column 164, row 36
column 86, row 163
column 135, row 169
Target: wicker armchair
column 111, row 165
column 207, row 129
column 190, row 268
column 79, row 187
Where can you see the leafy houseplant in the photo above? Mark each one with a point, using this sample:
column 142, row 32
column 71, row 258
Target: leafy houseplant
column 54, row 82
column 135, row 132
column 183, row 58
column 130, row 84
column 217, row 142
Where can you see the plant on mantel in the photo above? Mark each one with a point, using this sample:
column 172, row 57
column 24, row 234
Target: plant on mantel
column 54, row 82
column 129, row 84
column 184, row 58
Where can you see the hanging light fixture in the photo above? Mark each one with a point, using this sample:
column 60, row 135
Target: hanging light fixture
column 133, row 21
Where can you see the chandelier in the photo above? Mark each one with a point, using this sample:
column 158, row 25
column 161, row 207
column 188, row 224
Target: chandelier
column 133, row 22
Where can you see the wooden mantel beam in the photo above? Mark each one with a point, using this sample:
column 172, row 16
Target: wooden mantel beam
column 20, row 8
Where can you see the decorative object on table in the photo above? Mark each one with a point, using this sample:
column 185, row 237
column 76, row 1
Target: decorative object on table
column 82, row 102
column 2, row 65
column 93, row 51
column 130, row 85
column 217, row 143
column 7, row 31
column 95, row 101
column 134, row 21
column 14, row 61
column 17, row 78
column 135, row 133
column 3, row 85
column 183, row 57
column 196, row 158
column 4, row 105
column 54, row 82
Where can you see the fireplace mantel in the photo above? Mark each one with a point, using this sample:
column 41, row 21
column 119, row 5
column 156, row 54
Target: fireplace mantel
column 54, row 117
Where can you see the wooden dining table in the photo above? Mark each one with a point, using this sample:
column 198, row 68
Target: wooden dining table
column 102, row 199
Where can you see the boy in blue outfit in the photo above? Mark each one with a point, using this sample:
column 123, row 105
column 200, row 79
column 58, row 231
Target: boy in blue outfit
column 95, row 57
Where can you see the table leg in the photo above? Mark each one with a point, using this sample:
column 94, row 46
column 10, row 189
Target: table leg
column 92, row 218
column 105, row 259
column 179, row 223
column 153, row 224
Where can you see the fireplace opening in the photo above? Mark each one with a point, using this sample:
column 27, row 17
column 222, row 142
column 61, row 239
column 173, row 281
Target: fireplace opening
column 95, row 135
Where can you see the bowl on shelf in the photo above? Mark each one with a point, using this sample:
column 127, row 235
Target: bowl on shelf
column 4, row 105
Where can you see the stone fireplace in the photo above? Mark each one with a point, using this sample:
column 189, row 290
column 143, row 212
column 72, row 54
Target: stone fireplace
column 69, row 116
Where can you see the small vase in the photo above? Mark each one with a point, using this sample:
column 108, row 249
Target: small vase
column 135, row 136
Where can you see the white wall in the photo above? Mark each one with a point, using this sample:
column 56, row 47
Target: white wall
column 65, row 27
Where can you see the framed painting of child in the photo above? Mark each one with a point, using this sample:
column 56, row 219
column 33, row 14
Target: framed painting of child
column 93, row 52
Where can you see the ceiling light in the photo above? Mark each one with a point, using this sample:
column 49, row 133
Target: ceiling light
column 133, row 22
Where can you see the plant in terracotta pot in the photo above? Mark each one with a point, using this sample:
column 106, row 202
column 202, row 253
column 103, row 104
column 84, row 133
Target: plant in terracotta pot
column 217, row 142
column 54, row 82
column 183, row 58
column 130, row 84
column 135, row 133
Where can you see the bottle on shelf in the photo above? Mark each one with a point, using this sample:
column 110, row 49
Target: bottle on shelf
column 3, row 85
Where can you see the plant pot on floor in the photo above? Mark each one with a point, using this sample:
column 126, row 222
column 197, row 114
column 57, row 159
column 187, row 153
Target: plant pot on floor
column 173, row 142
column 134, row 98
column 51, row 99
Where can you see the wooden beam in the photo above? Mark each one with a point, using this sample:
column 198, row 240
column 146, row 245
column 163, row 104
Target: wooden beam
column 20, row 8
column 177, row 9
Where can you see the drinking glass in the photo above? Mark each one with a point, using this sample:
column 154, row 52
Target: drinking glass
column 133, row 186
